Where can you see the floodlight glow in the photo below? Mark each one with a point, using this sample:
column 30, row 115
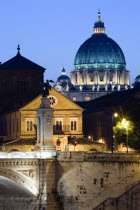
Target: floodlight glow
column 125, row 123
column 115, row 114
column 26, row 155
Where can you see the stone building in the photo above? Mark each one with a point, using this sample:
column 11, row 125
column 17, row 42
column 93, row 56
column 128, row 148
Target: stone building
column 99, row 67
column 19, row 126
column 21, row 85
column 63, row 83
column 20, row 81
column 98, row 115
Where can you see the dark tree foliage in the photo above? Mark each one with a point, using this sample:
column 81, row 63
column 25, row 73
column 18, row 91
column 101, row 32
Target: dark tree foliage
column 131, row 112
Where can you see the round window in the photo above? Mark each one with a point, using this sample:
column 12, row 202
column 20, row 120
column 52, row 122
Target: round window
column 53, row 100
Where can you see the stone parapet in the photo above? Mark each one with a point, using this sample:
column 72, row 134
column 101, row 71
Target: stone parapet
column 98, row 157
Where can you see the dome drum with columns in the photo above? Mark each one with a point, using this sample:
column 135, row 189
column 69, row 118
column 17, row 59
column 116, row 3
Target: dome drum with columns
column 63, row 82
column 99, row 66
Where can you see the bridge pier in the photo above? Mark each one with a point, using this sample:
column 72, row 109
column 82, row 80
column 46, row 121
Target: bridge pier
column 42, row 185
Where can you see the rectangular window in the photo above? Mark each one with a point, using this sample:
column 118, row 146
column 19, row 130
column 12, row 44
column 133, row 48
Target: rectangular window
column 74, row 98
column 73, row 124
column 29, row 124
column 59, row 124
column 87, row 98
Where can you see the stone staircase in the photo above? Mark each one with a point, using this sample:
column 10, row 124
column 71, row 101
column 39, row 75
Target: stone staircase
column 127, row 201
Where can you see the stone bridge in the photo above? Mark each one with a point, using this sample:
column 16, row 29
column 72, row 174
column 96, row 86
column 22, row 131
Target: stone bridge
column 88, row 180
column 70, row 180
column 23, row 177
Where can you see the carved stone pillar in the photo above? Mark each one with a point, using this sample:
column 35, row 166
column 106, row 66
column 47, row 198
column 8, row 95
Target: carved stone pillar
column 85, row 78
column 95, row 81
column 96, row 78
column 42, row 178
column 107, row 77
column 106, row 87
column 45, row 125
column 127, row 80
column 118, row 77
column 73, row 79
column 116, row 82
column 77, row 82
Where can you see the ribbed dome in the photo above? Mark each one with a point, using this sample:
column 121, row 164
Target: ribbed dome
column 63, row 78
column 99, row 52
column 137, row 80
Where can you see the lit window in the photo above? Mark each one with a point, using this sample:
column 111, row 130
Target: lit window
column 74, row 98
column 87, row 98
column 73, row 124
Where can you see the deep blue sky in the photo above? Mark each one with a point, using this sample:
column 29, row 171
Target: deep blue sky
column 51, row 31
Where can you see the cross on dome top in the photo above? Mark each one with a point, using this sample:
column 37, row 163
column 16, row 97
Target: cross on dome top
column 99, row 26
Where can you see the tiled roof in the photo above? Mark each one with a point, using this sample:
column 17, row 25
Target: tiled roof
column 21, row 141
column 20, row 62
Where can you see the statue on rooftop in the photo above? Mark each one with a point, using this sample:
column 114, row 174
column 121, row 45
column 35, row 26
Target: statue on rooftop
column 46, row 88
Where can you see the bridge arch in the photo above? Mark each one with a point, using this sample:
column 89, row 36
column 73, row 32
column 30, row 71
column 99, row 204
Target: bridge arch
column 13, row 182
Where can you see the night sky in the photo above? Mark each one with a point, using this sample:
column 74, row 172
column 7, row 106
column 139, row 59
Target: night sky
column 51, row 31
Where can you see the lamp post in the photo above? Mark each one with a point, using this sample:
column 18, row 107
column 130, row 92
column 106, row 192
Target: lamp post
column 114, row 117
column 125, row 125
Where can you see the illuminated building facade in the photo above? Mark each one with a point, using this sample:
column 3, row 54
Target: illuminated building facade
column 19, row 126
column 99, row 67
